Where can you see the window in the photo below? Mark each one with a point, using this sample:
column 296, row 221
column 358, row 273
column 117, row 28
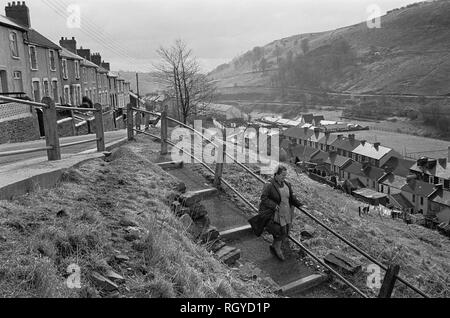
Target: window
column 447, row 184
column 52, row 60
column 18, row 84
column 33, row 58
column 14, row 45
column 3, row 82
column 36, row 91
column 55, row 90
column 414, row 198
column 46, row 88
column 382, row 188
column 78, row 92
column 389, row 190
column 373, row 184
column 77, row 69
column 421, row 200
column 67, row 95
column 64, row 69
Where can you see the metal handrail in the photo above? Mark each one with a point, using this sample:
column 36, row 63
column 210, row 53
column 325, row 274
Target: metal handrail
column 22, row 101
column 23, row 151
column 78, row 143
column 256, row 210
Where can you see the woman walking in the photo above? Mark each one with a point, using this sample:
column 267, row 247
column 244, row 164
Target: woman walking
column 276, row 210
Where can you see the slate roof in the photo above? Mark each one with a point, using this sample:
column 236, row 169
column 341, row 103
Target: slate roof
column 346, row 144
column 34, row 37
column 337, row 160
column 441, row 197
column 69, row 55
column 303, row 153
column 10, row 23
column 398, row 166
column 402, row 201
column 370, row 151
column 356, row 168
column 437, row 171
column 298, row 133
column 393, row 180
column 419, row 188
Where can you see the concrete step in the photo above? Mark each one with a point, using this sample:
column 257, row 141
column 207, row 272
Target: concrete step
column 303, row 284
column 293, row 277
column 171, row 165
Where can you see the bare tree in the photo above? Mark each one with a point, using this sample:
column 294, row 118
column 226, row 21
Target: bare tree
column 179, row 71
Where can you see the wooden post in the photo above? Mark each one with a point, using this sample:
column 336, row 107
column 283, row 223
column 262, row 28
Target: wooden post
column 130, row 125
column 389, row 281
column 138, row 120
column 219, row 165
column 99, row 131
column 164, row 132
column 51, row 129
column 74, row 128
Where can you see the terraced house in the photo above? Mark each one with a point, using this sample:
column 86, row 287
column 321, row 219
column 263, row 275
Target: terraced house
column 42, row 53
column 14, row 59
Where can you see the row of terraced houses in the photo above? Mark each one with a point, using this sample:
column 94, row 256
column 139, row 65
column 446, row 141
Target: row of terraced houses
column 376, row 173
column 32, row 66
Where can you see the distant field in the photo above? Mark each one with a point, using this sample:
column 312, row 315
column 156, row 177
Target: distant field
column 412, row 144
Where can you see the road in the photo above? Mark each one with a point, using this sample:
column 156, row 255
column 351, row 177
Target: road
column 110, row 136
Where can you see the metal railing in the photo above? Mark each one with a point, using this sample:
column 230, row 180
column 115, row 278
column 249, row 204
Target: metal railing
column 53, row 146
column 164, row 141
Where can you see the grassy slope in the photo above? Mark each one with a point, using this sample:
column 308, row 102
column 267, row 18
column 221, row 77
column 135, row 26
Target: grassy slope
column 37, row 246
column 422, row 254
column 414, row 47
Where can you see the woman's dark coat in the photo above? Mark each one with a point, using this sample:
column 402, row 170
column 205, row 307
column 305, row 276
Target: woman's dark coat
column 270, row 199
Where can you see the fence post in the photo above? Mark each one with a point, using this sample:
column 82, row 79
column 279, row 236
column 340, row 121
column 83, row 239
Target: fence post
column 130, row 122
column 219, row 165
column 389, row 281
column 51, row 129
column 138, row 120
column 99, row 131
column 164, row 133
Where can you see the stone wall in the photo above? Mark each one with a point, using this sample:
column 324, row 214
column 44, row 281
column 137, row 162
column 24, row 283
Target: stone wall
column 19, row 130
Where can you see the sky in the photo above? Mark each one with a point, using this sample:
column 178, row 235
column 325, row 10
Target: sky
column 127, row 33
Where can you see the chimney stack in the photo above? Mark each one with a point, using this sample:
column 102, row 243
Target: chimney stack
column 19, row 12
column 351, row 137
column 377, row 145
column 84, row 53
column 96, row 58
column 70, row 45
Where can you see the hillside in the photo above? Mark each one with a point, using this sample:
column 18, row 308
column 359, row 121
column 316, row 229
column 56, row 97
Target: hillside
column 103, row 217
column 147, row 83
column 407, row 55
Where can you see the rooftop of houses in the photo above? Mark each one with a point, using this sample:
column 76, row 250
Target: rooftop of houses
column 344, row 143
column 303, row 153
column 298, row 133
column 374, row 151
column 34, row 37
column 65, row 53
column 319, row 156
column 328, row 139
column 10, row 23
column 337, row 160
column 87, row 63
column 369, row 194
column 434, row 167
column 442, row 197
column 393, row 180
column 400, row 201
column 419, row 188
column 398, row 166
column 307, row 118
column 358, row 169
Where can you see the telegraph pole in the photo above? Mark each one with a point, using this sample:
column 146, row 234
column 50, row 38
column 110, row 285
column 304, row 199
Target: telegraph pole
column 137, row 88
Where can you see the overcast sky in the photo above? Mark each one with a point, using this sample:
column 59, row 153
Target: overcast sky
column 127, row 32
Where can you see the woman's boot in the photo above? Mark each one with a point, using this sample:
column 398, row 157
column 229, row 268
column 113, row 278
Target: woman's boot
column 276, row 249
